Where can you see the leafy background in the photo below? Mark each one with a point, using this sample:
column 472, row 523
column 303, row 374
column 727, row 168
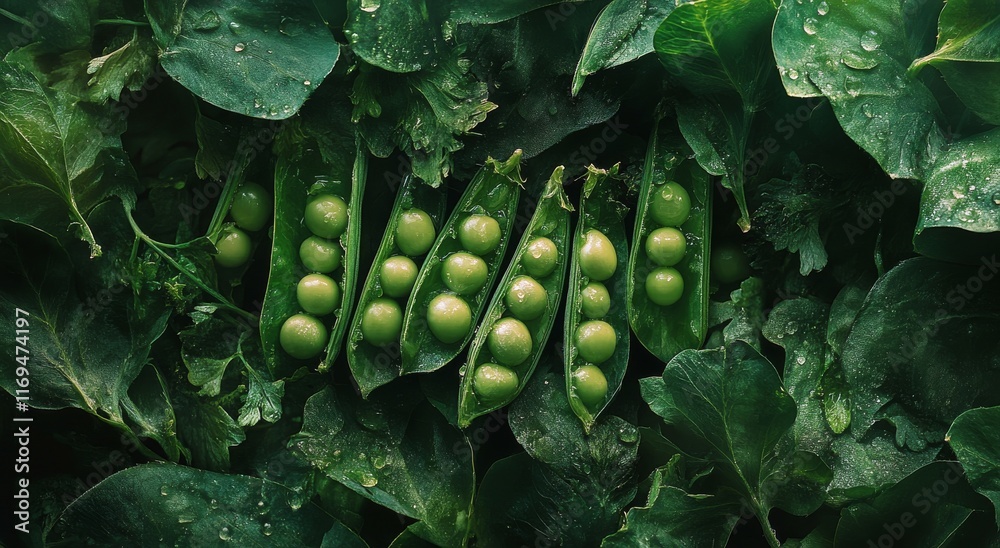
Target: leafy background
column 843, row 397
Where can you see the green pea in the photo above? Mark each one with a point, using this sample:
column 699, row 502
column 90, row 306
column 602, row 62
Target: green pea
column 398, row 275
column 596, row 341
column 464, row 273
column 595, row 301
column 509, row 341
column 415, row 232
column 252, row 207
column 598, row 259
column 591, row 385
column 671, row 204
column 449, row 318
column 382, row 321
column 526, row 299
column 494, row 382
column 540, row 257
column 326, row 216
column 479, row 234
column 666, row 246
column 302, row 336
column 664, row 286
column 318, row 294
column 233, row 247
column 319, row 255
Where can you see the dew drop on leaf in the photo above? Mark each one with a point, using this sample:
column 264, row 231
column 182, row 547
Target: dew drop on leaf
column 369, row 480
column 225, row 533
column 234, row 27
column 823, row 8
column 870, row 40
column 810, row 26
column 996, row 198
column 163, row 490
column 793, row 74
column 208, row 22
column 239, row 47
column 267, row 529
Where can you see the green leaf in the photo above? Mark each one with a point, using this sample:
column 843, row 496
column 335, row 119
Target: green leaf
column 155, row 504
column 397, row 36
column 728, row 407
column 207, row 348
column 968, row 54
column 395, row 451
column 58, row 154
column 125, row 67
column 973, row 438
column 718, row 51
column 748, row 314
column 206, row 429
column 925, row 508
column 257, row 58
column 496, row 12
column 569, row 488
column 921, row 350
column 622, row 33
column 422, row 113
column 58, row 26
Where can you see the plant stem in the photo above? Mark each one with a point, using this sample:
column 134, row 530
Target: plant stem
column 17, row 19
column 187, row 274
column 122, row 22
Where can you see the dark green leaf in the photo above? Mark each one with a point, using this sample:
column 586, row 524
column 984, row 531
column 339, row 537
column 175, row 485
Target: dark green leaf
column 397, row 36
column 973, row 438
column 155, row 504
column 257, row 58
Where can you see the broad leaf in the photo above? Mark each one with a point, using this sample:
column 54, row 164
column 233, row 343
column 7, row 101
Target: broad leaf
column 157, row 504
column 974, row 439
column 257, row 58
column 395, row 451
column 59, row 155
column 397, row 36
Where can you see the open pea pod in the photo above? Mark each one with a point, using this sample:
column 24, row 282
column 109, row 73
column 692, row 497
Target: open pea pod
column 668, row 285
column 440, row 317
column 596, row 344
column 375, row 363
column 310, row 169
column 522, row 311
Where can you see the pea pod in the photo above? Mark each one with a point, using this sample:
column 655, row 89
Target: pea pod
column 596, row 345
column 678, row 321
column 487, row 384
column 308, row 170
column 439, row 318
column 374, row 365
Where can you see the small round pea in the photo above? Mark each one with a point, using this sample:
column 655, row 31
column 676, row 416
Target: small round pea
column 382, row 322
column 464, row 273
column 318, row 294
column 494, row 383
column 671, row 204
column 540, row 257
column 398, row 274
column 252, row 207
column 598, row 259
column 595, row 300
column 326, row 216
column 449, row 318
column 415, row 232
column 666, row 246
column 591, row 385
column 302, row 336
column 319, row 255
column 526, row 299
column 596, row 341
column 509, row 341
column 233, row 248
column 664, row 286
column 479, row 234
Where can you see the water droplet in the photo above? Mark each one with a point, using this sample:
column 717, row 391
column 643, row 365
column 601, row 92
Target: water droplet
column 370, row 5
column 996, row 198
column 239, row 47
column 267, row 529
column 208, row 22
column 163, row 490
column 370, row 417
column 853, row 85
column 810, row 26
column 628, row 435
column 234, row 27
column 369, row 480
column 857, row 61
column 213, row 504
column 793, row 74
column 225, row 533
column 801, row 360
column 307, row 83
column 823, row 8
column 870, row 40
column 968, row 215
